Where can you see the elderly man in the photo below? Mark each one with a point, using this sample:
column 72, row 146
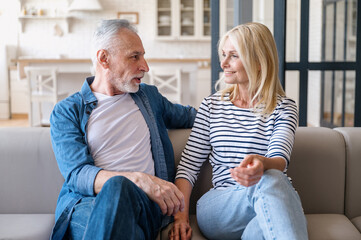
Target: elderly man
column 111, row 144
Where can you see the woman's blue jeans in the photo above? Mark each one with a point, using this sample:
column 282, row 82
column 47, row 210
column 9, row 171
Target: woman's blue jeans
column 270, row 209
column 120, row 211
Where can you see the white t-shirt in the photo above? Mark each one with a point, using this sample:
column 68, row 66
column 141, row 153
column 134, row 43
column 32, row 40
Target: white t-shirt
column 118, row 136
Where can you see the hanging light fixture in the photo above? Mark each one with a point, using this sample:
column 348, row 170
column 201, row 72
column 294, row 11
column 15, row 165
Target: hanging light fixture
column 85, row 5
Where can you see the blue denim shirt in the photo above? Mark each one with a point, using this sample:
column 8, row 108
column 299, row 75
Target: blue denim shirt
column 68, row 123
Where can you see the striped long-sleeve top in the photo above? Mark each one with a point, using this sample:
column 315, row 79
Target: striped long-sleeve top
column 224, row 134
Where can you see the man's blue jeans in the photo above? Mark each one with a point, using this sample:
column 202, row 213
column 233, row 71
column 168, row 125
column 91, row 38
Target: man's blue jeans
column 270, row 209
column 120, row 211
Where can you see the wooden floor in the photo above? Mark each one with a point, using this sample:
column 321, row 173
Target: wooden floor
column 17, row 120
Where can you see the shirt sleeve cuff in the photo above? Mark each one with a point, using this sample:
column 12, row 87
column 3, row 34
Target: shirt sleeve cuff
column 86, row 179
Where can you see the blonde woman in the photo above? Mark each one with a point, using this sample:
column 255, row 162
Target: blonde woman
column 246, row 131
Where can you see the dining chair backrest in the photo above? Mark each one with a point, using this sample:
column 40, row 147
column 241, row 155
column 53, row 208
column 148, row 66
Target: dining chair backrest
column 42, row 88
column 168, row 82
column 42, row 81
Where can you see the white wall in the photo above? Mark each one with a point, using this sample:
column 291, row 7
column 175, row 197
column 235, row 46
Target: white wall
column 315, row 54
column 38, row 39
column 8, row 36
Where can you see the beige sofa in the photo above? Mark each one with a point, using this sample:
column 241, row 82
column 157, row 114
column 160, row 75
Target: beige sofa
column 325, row 168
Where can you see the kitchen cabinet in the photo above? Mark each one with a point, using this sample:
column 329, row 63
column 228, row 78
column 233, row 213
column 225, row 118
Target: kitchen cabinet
column 226, row 21
column 4, row 83
column 183, row 20
column 7, row 73
column 19, row 97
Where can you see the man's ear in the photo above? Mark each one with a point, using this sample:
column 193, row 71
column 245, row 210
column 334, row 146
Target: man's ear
column 103, row 58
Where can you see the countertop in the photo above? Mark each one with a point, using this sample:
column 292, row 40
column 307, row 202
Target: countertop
column 86, row 60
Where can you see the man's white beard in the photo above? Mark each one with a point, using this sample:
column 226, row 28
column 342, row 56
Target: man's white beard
column 126, row 86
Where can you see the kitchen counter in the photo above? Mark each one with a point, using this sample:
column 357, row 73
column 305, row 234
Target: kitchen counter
column 64, row 65
column 51, row 60
column 196, row 82
column 86, row 60
column 84, row 65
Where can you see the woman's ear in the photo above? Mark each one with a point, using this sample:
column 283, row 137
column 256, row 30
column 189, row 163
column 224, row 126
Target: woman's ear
column 103, row 58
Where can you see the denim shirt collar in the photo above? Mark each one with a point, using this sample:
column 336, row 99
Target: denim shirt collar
column 86, row 92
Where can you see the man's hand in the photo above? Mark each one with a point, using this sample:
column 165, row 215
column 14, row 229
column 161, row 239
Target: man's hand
column 164, row 193
column 169, row 198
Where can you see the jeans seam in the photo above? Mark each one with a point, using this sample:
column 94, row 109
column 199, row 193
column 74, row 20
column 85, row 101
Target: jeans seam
column 266, row 214
column 86, row 226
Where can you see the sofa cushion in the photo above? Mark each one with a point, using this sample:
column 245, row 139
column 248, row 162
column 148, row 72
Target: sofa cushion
column 179, row 139
column 30, row 180
column 331, row 227
column 317, row 169
column 26, row 226
column 352, row 136
column 204, row 182
column 320, row 227
column 357, row 222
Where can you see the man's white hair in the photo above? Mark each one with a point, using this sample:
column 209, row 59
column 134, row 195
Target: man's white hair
column 105, row 35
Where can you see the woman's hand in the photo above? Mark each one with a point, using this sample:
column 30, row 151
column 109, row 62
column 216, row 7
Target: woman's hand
column 181, row 229
column 249, row 171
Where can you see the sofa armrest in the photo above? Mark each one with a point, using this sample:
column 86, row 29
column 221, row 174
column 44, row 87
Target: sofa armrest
column 352, row 136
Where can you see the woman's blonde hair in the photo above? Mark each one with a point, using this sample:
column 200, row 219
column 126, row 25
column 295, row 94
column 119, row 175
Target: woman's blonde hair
column 257, row 50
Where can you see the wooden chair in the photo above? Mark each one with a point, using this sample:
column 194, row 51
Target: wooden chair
column 168, row 82
column 42, row 88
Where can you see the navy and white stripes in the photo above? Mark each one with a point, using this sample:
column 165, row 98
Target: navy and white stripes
column 226, row 134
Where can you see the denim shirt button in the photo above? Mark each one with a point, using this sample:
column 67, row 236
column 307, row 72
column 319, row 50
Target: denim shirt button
column 88, row 112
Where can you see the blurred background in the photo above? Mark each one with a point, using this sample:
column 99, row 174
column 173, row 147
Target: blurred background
column 317, row 46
